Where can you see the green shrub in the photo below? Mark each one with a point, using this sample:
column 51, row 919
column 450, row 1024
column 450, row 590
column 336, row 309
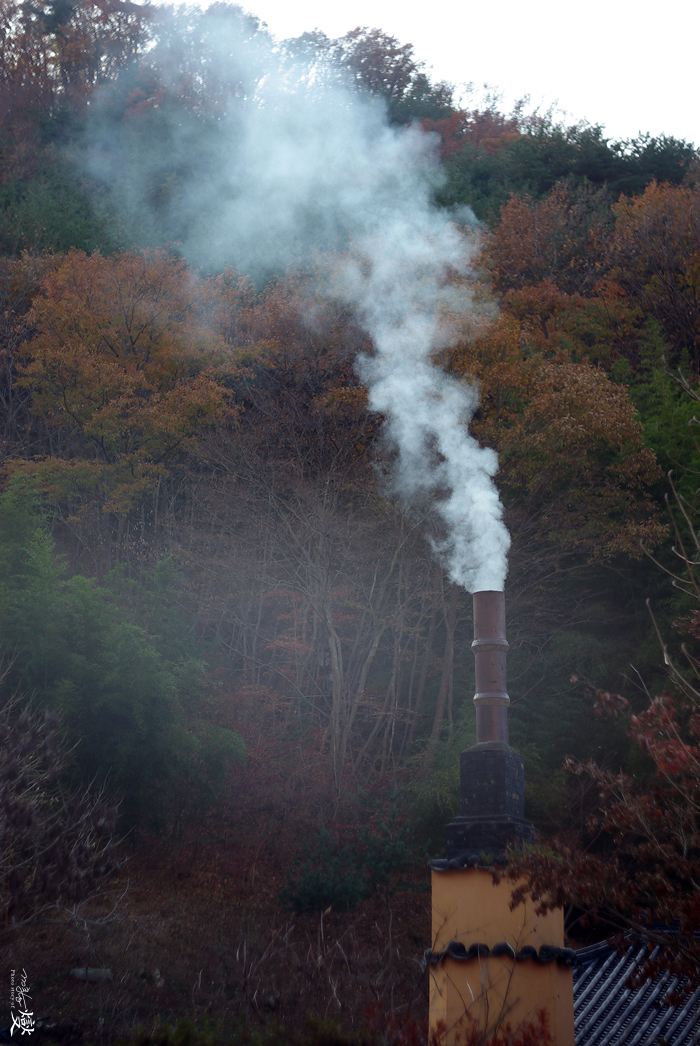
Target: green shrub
column 340, row 877
column 53, row 212
column 135, row 713
column 330, row 877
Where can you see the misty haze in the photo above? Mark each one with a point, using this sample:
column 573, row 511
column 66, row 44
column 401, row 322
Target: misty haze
column 298, row 353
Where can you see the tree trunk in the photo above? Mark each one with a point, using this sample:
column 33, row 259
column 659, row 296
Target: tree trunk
column 427, row 656
column 450, row 611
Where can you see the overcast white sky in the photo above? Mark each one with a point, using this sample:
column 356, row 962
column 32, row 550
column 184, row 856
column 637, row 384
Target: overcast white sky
column 629, row 66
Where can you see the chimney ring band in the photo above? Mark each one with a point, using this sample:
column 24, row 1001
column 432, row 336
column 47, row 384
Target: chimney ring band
column 489, row 644
column 495, row 698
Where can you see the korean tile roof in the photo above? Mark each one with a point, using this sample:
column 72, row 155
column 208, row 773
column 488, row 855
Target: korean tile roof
column 607, row 1013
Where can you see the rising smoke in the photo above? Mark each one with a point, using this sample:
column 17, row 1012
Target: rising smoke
column 294, row 160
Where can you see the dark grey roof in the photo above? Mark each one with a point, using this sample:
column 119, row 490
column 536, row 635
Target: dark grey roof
column 607, row 1013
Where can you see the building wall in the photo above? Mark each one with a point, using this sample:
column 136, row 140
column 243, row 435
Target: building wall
column 494, row 990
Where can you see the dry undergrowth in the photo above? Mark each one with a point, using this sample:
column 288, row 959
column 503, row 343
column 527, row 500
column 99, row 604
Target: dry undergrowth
column 189, row 935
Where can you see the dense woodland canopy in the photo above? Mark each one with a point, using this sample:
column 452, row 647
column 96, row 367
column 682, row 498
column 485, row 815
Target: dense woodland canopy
column 204, row 571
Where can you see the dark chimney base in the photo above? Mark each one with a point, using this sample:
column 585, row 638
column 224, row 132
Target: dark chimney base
column 492, row 779
column 484, row 839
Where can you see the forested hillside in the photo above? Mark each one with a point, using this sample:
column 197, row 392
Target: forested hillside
column 207, row 572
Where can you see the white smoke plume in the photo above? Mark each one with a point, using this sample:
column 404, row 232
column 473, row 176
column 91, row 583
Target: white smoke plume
column 297, row 161
column 427, row 411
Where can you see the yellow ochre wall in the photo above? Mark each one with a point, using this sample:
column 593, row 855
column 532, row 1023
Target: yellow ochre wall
column 469, row 908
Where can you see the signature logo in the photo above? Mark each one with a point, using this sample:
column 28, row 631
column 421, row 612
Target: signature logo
column 20, row 1000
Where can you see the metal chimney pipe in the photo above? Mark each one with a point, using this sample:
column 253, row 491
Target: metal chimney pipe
column 490, row 647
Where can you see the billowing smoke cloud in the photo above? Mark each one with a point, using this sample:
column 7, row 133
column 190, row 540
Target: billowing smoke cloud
column 295, row 161
column 427, row 411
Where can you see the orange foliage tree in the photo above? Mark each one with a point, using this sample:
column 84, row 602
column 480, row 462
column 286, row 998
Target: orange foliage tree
column 122, row 366
column 573, row 456
column 656, row 252
column 618, row 263
column 574, row 470
column 561, row 239
column 486, row 129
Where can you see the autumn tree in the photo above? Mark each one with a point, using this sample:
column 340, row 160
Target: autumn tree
column 561, row 239
column 656, row 253
column 624, row 273
column 573, row 463
column 612, row 286
column 121, row 365
column 485, row 128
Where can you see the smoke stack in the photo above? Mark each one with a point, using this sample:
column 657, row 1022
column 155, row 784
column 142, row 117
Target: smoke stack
column 489, row 960
column 490, row 647
column 492, row 774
